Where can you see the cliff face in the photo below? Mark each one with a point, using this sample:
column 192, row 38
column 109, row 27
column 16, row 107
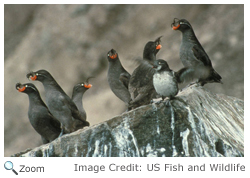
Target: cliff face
column 197, row 123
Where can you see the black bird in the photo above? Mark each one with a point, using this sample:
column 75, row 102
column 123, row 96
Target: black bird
column 166, row 81
column 118, row 77
column 58, row 102
column 192, row 53
column 141, row 82
column 39, row 115
column 78, row 91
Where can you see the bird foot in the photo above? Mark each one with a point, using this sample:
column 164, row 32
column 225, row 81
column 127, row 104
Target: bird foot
column 156, row 101
column 168, row 102
column 159, row 102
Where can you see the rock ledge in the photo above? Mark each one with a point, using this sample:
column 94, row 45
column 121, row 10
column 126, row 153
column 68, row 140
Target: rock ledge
column 197, row 123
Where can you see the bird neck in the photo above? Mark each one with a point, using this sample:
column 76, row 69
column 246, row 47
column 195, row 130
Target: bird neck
column 115, row 65
column 164, row 71
column 77, row 99
column 49, row 81
column 51, row 85
column 149, row 55
column 189, row 35
column 35, row 100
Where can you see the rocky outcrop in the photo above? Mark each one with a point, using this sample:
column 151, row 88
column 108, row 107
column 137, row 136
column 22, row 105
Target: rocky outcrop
column 197, row 123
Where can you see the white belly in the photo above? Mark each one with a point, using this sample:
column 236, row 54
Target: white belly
column 165, row 84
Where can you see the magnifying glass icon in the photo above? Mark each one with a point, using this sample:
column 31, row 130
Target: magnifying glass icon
column 8, row 165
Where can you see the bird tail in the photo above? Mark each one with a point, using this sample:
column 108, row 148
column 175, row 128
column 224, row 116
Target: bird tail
column 204, row 74
column 215, row 77
column 188, row 74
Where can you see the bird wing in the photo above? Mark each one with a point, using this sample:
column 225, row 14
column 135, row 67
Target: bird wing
column 142, row 75
column 75, row 112
column 188, row 74
column 54, row 122
column 65, row 108
column 124, row 78
column 141, row 85
column 201, row 55
column 185, row 74
column 120, row 90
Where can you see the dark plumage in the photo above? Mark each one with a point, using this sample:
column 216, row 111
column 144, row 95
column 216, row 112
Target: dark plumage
column 58, row 102
column 192, row 53
column 78, row 91
column 141, row 82
column 118, row 77
column 39, row 115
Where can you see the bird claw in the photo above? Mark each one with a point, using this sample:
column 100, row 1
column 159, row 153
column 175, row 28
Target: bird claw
column 167, row 103
column 159, row 102
column 156, row 101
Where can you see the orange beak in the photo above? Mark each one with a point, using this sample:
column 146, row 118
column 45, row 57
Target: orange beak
column 159, row 46
column 113, row 56
column 21, row 89
column 87, row 86
column 176, row 27
column 33, row 77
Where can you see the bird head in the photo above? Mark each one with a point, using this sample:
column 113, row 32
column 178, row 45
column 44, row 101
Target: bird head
column 39, row 75
column 31, row 76
column 87, row 84
column 83, row 86
column 112, row 55
column 181, row 25
column 158, row 45
column 26, row 88
column 152, row 48
column 160, row 64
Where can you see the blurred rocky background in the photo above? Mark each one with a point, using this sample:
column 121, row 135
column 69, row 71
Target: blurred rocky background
column 71, row 42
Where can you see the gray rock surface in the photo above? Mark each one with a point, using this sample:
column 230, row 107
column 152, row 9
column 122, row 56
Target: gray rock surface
column 71, row 42
column 198, row 123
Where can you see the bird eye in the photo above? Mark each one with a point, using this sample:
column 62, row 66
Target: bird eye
column 181, row 22
column 82, row 84
column 36, row 73
column 108, row 54
column 26, row 85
